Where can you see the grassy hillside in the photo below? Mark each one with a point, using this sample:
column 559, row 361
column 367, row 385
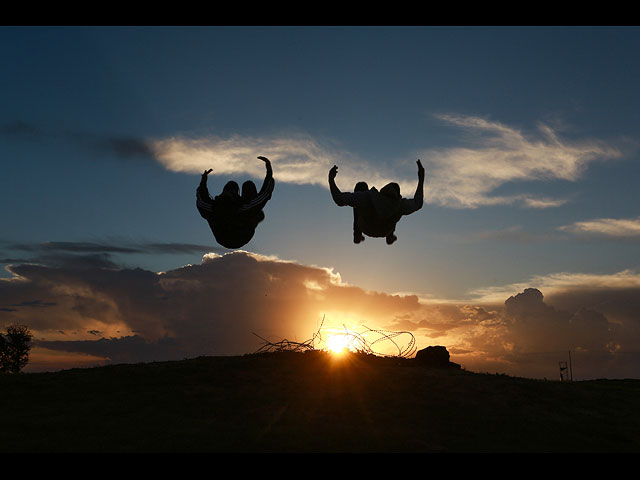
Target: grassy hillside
column 311, row 402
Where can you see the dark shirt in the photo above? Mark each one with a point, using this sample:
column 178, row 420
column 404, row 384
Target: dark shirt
column 377, row 212
column 232, row 220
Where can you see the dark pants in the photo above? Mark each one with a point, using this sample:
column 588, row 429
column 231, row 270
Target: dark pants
column 357, row 234
column 363, row 187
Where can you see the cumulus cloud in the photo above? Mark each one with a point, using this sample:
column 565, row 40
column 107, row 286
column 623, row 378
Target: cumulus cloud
column 212, row 308
column 621, row 228
column 464, row 177
column 533, row 336
column 592, row 318
column 228, row 303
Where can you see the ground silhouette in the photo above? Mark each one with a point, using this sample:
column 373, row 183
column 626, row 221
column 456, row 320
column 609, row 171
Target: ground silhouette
column 311, row 402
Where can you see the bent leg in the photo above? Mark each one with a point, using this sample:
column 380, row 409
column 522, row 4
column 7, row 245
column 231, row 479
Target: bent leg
column 357, row 234
column 391, row 237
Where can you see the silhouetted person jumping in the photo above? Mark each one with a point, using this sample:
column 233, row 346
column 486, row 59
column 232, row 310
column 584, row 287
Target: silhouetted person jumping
column 375, row 213
column 233, row 217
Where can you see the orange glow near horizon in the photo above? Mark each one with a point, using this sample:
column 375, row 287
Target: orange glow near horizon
column 337, row 343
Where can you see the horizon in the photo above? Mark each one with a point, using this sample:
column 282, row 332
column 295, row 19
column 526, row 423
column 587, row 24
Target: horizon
column 525, row 249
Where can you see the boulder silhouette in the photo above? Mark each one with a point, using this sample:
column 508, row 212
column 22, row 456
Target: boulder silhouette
column 435, row 357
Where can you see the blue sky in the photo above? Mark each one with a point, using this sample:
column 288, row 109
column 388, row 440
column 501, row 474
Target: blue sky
column 528, row 135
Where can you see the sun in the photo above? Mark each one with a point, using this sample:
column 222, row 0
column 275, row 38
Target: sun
column 338, row 342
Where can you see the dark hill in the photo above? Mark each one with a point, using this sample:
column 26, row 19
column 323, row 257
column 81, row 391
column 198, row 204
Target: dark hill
column 311, row 402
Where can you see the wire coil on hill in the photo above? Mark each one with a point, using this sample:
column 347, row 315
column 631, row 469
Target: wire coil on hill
column 354, row 341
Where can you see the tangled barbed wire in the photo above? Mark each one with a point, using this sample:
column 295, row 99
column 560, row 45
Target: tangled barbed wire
column 353, row 341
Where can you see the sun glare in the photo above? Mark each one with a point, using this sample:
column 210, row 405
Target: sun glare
column 338, row 343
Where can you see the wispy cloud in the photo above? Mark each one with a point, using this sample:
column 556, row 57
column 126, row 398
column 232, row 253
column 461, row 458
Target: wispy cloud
column 465, row 177
column 515, row 234
column 490, row 155
column 123, row 147
column 20, row 129
column 108, row 254
column 543, row 202
column 297, row 159
column 111, row 246
column 497, row 154
column 623, row 228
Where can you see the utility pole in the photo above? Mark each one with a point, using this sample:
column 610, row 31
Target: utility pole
column 570, row 367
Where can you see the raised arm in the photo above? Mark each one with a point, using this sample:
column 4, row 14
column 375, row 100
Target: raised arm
column 410, row 205
column 351, row 199
column 268, row 183
column 335, row 191
column 203, row 178
column 339, row 197
column 204, row 202
column 264, row 195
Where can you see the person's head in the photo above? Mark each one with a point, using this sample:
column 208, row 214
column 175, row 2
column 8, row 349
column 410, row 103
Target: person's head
column 391, row 190
column 229, row 198
column 230, row 190
column 249, row 191
column 361, row 187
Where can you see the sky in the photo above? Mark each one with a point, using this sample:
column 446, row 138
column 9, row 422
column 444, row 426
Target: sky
column 525, row 253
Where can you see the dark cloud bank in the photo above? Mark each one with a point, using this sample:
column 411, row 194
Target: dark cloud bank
column 223, row 306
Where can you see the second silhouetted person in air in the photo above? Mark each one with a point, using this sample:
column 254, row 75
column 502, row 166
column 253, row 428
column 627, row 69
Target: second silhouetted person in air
column 233, row 215
column 376, row 213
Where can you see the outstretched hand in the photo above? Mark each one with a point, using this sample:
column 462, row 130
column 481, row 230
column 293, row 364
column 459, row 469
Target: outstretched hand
column 420, row 169
column 264, row 159
column 207, row 172
column 333, row 172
